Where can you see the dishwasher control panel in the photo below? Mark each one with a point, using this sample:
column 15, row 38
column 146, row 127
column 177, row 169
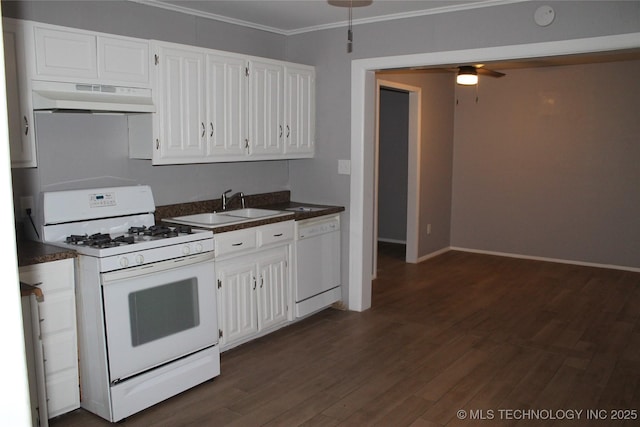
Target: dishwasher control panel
column 316, row 226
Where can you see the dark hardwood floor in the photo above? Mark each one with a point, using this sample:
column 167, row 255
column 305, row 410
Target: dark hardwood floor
column 502, row 339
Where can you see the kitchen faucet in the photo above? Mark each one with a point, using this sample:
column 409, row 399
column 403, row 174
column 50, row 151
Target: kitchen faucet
column 227, row 200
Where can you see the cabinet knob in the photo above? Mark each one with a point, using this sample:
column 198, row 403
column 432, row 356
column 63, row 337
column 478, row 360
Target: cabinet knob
column 211, row 126
column 26, row 125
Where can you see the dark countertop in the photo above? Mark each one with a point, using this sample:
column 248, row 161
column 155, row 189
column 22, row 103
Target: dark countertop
column 278, row 201
column 30, row 252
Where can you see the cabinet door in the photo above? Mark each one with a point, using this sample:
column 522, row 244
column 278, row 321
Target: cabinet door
column 22, row 142
column 300, row 111
column 236, row 300
column 123, row 60
column 58, row 332
column 180, row 118
column 227, row 110
column 65, row 54
column 266, row 130
column 272, row 287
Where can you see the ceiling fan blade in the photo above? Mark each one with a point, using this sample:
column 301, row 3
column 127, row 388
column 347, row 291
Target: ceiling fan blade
column 490, row 73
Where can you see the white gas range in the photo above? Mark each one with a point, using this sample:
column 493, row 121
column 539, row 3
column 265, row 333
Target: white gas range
column 146, row 299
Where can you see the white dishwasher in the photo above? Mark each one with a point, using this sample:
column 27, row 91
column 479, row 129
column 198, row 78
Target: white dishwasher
column 317, row 252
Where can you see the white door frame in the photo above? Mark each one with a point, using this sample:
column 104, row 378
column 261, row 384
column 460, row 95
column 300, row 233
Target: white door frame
column 413, row 171
column 363, row 90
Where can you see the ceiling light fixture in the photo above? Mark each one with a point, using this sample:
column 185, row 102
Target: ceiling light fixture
column 467, row 76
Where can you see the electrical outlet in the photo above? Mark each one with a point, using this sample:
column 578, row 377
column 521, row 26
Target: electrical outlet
column 428, row 228
column 26, row 202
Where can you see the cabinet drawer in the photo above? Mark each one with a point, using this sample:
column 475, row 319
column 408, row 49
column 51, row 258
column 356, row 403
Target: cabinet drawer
column 57, row 314
column 63, row 394
column 234, row 241
column 51, row 277
column 275, row 233
column 60, row 353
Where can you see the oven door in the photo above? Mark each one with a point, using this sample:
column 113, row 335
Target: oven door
column 158, row 312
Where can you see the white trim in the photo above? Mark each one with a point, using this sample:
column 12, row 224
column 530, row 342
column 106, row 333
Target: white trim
column 433, row 254
column 539, row 258
column 340, row 24
column 362, row 119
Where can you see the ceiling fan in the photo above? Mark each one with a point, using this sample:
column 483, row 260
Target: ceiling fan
column 466, row 74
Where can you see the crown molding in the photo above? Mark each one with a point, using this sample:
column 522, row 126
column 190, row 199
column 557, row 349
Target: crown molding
column 340, row 24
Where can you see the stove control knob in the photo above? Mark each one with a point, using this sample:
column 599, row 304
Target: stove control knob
column 198, row 247
column 139, row 259
column 124, row 262
column 186, row 250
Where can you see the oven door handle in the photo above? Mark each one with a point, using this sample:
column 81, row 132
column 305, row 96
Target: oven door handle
column 156, row 267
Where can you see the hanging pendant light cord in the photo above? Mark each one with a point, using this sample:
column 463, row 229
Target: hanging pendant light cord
column 350, row 30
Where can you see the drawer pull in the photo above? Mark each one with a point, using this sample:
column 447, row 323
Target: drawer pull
column 237, row 244
column 277, row 235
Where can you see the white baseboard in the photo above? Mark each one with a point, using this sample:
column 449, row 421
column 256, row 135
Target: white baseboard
column 537, row 258
column 432, row 254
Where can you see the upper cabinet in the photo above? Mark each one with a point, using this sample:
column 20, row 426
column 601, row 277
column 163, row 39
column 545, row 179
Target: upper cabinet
column 82, row 56
column 215, row 106
column 36, row 53
column 300, row 110
column 22, row 141
column 179, row 125
column 210, row 106
column 266, row 115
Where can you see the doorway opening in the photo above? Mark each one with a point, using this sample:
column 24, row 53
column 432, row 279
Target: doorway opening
column 397, row 171
column 363, row 97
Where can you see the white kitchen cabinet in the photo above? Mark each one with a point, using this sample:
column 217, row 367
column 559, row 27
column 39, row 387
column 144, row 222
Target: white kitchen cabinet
column 58, row 332
column 266, row 98
column 231, row 109
column 252, row 295
column 237, row 312
column 252, row 274
column 227, row 106
column 300, row 110
column 65, row 54
column 22, row 141
column 272, row 288
column 179, row 124
column 43, row 52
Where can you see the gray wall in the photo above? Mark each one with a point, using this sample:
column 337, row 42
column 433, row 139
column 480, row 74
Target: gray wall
column 547, row 163
column 393, row 153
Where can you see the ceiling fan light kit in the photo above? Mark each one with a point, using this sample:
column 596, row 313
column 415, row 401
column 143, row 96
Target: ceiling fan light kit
column 467, row 76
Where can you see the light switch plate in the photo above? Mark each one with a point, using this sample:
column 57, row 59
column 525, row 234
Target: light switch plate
column 344, row 167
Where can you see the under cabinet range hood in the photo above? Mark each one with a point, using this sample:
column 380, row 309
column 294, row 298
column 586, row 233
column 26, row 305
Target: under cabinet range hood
column 90, row 97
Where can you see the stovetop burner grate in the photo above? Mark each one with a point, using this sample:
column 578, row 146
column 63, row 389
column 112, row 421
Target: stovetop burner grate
column 134, row 234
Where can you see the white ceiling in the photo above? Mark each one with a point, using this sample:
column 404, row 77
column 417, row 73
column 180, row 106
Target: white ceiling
column 298, row 16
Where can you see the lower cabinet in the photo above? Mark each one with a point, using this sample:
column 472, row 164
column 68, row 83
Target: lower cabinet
column 253, row 292
column 58, row 332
